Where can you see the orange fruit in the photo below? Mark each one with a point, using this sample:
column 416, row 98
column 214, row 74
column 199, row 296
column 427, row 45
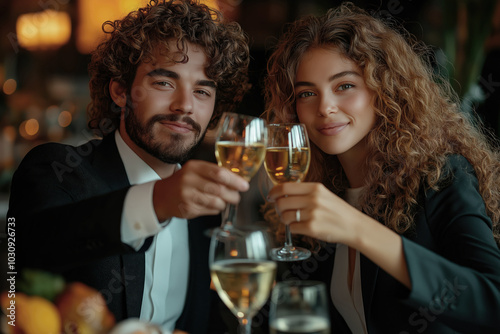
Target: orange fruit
column 83, row 309
column 33, row 314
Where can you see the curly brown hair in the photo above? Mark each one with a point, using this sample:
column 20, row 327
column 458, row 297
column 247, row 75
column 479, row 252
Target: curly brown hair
column 133, row 39
column 418, row 120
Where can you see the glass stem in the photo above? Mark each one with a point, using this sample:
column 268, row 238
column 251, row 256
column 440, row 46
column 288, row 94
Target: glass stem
column 245, row 326
column 229, row 218
column 288, row 239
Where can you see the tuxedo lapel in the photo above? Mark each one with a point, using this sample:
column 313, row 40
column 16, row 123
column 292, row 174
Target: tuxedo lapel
column 133, row 273
column 108, row 163
column 194, row 318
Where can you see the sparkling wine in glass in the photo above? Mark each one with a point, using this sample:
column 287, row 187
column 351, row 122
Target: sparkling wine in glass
column 242, row 272
column 288, row 156
column 299, row 307
column 240, row 146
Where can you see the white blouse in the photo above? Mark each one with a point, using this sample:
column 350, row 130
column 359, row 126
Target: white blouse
column 348, row 301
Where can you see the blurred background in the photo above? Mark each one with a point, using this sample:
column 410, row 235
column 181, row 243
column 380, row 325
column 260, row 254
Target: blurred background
column 45, row 47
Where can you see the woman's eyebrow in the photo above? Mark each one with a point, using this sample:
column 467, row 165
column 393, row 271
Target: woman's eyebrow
column 332, row 78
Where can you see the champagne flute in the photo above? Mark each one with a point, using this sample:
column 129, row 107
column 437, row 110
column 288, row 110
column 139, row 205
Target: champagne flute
column 242, row 272
column 299, row 307
column 287, row 160
column 240, row 146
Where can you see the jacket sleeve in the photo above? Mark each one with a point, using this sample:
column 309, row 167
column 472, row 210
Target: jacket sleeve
column 460, row 283
column 63, row 222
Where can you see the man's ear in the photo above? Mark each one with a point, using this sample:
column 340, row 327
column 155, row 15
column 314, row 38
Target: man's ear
column 118, row 93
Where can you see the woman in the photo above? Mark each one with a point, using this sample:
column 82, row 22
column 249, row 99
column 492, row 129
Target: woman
column 403, row 190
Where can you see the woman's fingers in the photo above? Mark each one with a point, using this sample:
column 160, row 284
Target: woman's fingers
column 291, row 189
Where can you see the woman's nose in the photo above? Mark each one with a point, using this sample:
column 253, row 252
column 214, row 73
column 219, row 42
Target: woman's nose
column 327, row 106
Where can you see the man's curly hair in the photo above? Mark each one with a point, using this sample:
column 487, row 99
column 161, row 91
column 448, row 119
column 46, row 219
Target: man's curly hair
column 133, row 40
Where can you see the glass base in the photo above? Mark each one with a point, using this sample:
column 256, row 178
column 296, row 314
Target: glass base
column 290, row 254
column 226, row 228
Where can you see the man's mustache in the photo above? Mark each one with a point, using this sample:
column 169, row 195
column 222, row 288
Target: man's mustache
column 175, row 118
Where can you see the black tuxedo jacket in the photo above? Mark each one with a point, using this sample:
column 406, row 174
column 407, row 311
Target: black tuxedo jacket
column 453, row 262
column 68, row 201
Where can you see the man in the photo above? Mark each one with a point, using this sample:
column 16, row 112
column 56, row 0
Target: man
column 113, row 213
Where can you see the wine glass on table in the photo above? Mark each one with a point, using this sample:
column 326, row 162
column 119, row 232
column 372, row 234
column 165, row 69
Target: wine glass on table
column 240, row 146
column 299, row 307
column 287, row 159
column 242, row 272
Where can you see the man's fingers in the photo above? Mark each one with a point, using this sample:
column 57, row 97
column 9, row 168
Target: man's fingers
column 201, row 204
column 228, row 179
column 199, row 188
column 219, row 175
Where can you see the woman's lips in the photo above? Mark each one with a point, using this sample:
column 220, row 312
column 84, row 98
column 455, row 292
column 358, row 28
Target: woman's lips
column 178, row 127
column 332, row 128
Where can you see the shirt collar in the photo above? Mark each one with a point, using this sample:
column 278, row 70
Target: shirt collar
column 137, row 170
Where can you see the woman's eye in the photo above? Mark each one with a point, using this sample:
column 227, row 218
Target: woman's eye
column 345, row 86
column 305, row 94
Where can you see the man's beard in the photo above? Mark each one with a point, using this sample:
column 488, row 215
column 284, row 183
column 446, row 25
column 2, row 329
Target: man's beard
column 173, row 150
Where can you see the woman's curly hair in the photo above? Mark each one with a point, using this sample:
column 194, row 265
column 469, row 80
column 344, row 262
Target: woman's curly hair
column 134, row 39
column 418, row 120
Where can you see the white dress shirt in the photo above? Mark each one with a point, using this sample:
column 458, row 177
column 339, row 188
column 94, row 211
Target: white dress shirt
column 167, row 259
column 348, row 300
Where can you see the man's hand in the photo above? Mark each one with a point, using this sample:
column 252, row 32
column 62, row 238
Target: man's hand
column 200, row 188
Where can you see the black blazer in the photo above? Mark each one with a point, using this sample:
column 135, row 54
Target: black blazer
column 68, row 201
column 453, row 262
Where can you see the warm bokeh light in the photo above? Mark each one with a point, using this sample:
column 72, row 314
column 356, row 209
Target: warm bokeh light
column 49, row 29
column 29, row 128
column 234, row 252
column 7, row 138
column 64, row 118
column 9, row 86
column 93, row 13
column 9, row 132
column 211, row 3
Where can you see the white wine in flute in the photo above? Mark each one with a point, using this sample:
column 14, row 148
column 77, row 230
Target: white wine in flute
column 287, row 165
column 300, row 324
column 241, row 159
column 243, row 285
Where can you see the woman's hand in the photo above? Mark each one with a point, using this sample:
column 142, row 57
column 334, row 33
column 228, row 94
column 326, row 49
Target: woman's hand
column 327, row 217
column 323, row 215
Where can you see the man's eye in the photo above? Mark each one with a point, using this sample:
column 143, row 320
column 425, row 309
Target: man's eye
column 162, row 83
column 202, row 92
